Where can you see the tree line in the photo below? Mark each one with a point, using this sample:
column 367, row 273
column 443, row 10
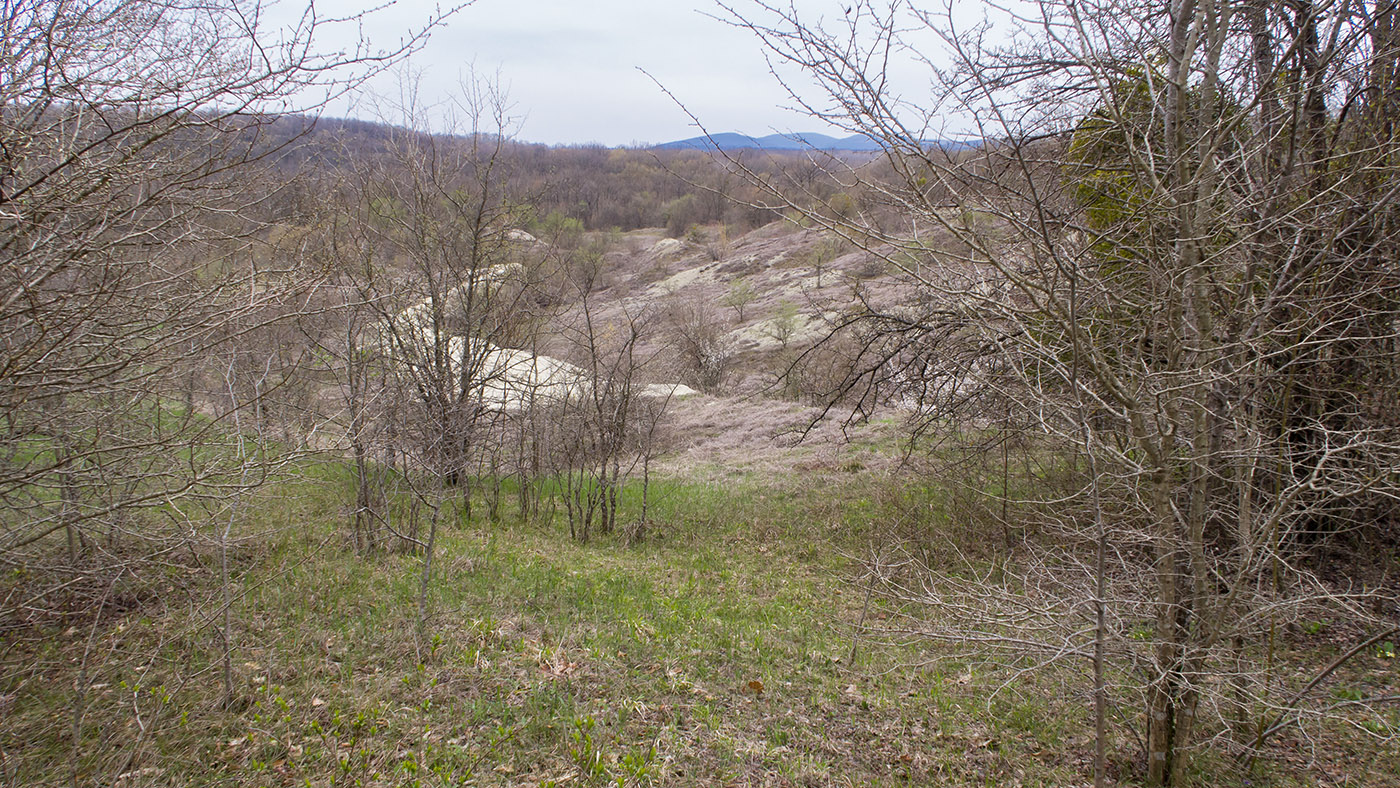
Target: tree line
column 601, row 188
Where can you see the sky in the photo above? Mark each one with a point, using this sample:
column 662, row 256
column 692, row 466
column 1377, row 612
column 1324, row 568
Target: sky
column 573, row 69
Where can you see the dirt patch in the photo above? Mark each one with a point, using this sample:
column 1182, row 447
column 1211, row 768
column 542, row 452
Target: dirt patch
column 775, row 439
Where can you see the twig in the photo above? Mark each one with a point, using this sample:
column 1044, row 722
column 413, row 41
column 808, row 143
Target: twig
column 1285, row 715
column 865, row 610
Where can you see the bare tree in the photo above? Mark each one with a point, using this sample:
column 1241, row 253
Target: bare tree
column 609, row 420
column 1166, row 249
column 443, row 276
column 128, row 188
column 142, row 320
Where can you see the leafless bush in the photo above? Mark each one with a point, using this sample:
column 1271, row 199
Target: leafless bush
column 609, row 426
column 1171, row 267
column 706, row 354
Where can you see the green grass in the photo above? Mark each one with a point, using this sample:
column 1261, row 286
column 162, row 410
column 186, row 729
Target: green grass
column 543, row 661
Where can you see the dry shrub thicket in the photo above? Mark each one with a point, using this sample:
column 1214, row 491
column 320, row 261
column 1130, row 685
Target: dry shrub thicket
column 1172, row 285
column 149, row 351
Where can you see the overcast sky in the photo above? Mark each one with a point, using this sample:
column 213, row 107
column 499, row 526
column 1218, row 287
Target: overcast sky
column 571, row 67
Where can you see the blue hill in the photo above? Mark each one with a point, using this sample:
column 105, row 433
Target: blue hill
column 728, row 141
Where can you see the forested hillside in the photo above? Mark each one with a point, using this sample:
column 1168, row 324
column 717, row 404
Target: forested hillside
column 602, row 188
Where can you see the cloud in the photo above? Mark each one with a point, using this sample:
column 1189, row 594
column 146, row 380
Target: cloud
column 572, row 67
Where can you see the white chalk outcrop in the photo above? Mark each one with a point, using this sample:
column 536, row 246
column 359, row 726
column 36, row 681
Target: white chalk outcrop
column 500, row 379
column 666, row 246
column 668, row 391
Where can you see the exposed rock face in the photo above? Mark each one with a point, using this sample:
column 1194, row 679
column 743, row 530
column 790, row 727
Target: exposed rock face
column 666, row 246
column 668, row 391
column 502, row 379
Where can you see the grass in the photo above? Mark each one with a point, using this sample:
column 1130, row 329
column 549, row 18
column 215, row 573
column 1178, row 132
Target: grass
column 714, row 653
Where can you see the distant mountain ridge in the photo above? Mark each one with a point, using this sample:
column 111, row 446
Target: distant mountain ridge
column 790, row 142
column 733, row 141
